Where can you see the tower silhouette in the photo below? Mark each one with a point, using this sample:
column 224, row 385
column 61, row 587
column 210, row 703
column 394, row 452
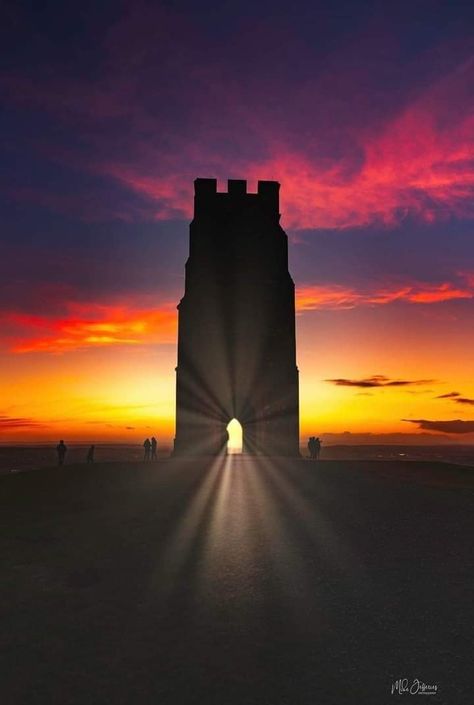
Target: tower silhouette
column 236, row 332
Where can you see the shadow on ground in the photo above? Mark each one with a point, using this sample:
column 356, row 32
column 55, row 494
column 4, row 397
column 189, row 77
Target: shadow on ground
column 236, row 581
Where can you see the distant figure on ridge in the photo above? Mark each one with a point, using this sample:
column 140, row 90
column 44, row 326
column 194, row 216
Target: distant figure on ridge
column 317, row 448
column 226, row 438
column 314, row 447
column 154, row 444
column 147, row 446
column 61, row 449
column 90, row 455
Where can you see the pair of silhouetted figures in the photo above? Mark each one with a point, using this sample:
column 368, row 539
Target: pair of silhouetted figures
column 150, row 448
column 61, row 450
column 314, row 447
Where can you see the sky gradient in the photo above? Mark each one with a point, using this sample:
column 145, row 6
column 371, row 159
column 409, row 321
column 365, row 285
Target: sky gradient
column 363, row 111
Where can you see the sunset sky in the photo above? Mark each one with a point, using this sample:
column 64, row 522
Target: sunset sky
column 363, row 111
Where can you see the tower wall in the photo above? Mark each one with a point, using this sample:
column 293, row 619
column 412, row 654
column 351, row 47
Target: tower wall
column 236, row 332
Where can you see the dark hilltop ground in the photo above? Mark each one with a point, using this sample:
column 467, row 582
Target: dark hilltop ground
column 240, row 581
column 29, row 456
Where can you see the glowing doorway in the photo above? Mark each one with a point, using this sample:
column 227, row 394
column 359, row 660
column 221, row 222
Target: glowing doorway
column 235, row 442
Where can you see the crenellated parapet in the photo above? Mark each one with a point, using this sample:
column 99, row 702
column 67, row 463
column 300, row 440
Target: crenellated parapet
column 206, row 195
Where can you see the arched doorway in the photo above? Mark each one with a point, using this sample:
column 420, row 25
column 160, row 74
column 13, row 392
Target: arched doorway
column 235, row 442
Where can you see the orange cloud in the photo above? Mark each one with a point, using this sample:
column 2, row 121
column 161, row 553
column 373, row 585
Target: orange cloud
column 94, row 326
column 443, row 292
column 310, row 297
column 97, row 325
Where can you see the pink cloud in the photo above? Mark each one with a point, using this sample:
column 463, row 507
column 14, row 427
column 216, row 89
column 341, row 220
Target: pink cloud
column 312, row 297
column 161, row 111
column 419, row 163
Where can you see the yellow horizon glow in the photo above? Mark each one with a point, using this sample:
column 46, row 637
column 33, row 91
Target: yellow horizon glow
column 126, row 393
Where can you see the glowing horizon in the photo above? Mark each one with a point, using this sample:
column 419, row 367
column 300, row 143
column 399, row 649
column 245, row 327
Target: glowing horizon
column 90, row 394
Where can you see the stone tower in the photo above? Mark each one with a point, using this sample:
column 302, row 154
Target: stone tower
column 236, row 334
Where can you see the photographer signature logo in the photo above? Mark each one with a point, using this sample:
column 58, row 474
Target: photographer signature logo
column 416, row 687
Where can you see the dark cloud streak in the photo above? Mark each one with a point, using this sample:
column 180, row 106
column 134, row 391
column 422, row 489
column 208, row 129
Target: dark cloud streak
column 457, row 398
column 11, row 422
column 453, row 426
column 377, row 381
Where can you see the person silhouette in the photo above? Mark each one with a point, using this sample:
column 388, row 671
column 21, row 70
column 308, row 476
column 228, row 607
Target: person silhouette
column 61, row 449
column 317, row 448
column 311, row 447
column 147, row 446
column 90, row 455
column 154, row 445
column 226, row 437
